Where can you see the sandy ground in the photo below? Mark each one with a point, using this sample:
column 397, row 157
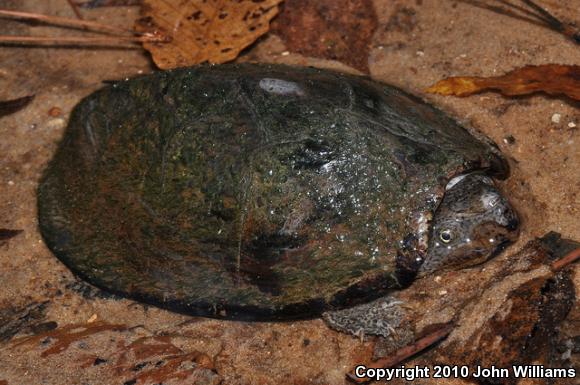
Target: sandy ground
column 37, row 292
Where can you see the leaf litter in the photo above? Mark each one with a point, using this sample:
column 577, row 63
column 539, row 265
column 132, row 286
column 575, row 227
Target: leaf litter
column 65, row 336
column 213, row 31
column 339, row 30
column 553, row 79
column 146, row 360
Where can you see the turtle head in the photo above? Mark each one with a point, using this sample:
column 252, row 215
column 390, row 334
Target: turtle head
column 472, row 223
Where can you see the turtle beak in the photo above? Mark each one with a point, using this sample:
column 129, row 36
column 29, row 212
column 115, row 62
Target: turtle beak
column 513, row 224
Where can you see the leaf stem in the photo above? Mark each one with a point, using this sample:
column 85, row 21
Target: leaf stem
column 58, row 40
column 65, row 21
column 566, row 260
column 406, row 352
column 75, row 9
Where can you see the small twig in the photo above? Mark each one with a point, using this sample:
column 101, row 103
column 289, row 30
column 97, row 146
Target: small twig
column 542, row 12
column 566, row 29
column 75, row 9
column 531, row 13
column 566, row 260
column 77, row 40
column 65, row 21
column 406, row 352
column 523, row 9
column 107, row 3
column 509, row 10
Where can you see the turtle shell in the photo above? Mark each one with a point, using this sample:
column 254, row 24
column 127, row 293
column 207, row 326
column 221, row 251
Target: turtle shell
column 249, row 191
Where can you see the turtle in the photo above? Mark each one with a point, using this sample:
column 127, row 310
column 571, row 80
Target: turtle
column 269, row 192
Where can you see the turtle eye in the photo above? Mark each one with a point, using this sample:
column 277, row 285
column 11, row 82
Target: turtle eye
column 446, row 236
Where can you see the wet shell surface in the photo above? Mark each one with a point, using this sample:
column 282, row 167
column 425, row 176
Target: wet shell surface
column 249, row 191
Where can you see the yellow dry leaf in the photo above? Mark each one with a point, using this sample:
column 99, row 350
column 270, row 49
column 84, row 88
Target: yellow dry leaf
column 553, row 79
column 198, row 31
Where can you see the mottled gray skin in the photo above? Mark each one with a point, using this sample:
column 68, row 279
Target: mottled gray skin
column 473, row 220
column 380, row 317
column 470, row 225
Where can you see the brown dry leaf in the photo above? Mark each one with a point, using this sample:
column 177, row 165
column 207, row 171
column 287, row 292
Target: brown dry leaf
column 553, row 79
column 330, row 29
column 212, row 31
column 8, row 107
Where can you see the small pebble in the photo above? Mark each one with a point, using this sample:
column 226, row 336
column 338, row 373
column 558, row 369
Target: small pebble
column 83, row 345
column 556, row 118
column 509, row 139
column 571, row 125
column 55, row 112
column 56, row 123
column 442, row 292
column 438, row 279
column 92, row 319
column 285, row 53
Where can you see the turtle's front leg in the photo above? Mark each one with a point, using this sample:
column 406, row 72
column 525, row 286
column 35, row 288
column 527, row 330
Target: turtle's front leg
column 382, row 317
